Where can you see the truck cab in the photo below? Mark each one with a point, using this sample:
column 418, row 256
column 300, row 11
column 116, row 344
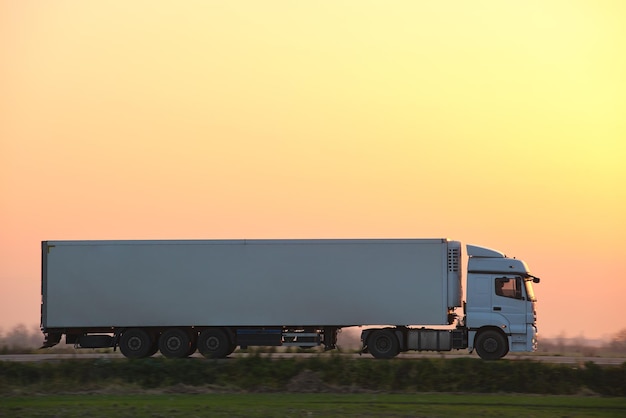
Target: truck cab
column 500, row 309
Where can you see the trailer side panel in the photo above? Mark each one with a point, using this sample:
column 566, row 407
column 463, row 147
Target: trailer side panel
column 244, row 283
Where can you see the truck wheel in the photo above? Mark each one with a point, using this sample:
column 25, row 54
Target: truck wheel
column 382, row 344
column 491, row 345
column 135, row 343
column 175, row 343
column 214, row 343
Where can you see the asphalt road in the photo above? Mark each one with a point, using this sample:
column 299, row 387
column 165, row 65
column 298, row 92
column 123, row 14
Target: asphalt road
column 605, row 361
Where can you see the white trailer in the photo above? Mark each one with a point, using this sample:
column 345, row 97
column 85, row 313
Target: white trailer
column 215, row 295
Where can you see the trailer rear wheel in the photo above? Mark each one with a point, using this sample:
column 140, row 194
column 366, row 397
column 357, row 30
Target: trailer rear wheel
column 382, row 343
column 491, row 345
column 136, row 343
column 214, row 343
column 175, row 343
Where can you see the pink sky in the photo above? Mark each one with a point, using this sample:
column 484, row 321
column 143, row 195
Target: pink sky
column 498, row 124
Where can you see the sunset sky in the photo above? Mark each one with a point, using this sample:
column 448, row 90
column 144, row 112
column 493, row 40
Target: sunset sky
column 497, row 123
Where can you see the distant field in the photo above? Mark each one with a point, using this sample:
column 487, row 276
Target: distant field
column 307, row 405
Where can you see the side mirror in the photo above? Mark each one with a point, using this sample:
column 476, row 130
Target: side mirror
column 536, row 279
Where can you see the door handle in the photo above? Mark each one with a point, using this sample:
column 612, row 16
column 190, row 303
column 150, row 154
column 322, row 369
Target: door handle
column 497, row 308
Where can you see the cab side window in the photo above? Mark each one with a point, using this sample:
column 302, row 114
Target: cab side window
column 509, row 288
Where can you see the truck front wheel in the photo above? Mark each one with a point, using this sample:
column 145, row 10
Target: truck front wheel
column 382, row 343
column 136, row 343
column 491, row 345
column 214, row 343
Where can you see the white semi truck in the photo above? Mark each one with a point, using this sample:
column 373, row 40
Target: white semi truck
column 177, row 297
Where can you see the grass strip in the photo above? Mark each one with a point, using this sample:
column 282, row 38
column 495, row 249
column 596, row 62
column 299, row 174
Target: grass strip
column 297, row 405
column 314, row 374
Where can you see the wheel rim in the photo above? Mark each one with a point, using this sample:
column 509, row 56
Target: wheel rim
column 135, row 343
column 382, row 344
column 173, row 343
column 491, row 345
column 212, row 343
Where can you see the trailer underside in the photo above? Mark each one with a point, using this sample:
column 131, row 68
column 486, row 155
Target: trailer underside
column 219, row 342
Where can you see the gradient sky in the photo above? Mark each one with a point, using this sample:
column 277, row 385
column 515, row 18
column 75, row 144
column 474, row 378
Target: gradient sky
column 497, row 123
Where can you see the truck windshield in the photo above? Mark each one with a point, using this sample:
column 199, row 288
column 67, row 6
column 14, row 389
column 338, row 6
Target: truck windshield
column 530, row 293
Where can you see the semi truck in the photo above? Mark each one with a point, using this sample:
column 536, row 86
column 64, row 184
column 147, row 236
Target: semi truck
column 212, row 296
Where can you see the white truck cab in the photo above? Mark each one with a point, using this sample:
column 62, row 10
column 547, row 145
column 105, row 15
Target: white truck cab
column 500, row 310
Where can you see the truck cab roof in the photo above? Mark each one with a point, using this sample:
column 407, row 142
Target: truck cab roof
column 486, row 260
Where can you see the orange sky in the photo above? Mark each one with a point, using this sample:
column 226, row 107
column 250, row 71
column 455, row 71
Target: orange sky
column 495, row 123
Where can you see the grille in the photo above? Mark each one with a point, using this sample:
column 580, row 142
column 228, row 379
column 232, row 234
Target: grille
column 454, row 258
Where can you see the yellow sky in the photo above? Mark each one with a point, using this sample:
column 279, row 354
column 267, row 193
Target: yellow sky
column 496, row 123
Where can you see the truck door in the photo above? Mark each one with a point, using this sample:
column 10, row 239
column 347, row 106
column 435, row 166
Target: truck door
column 508, row 301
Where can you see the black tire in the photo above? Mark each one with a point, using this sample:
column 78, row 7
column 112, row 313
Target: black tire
column 136, row 343
column 491, row 345
column 175, row 343
column 214, row 343
column 231, row 348
column 383, row 344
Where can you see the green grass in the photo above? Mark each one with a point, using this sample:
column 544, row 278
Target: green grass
column 306, row 405
column 313, row 374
